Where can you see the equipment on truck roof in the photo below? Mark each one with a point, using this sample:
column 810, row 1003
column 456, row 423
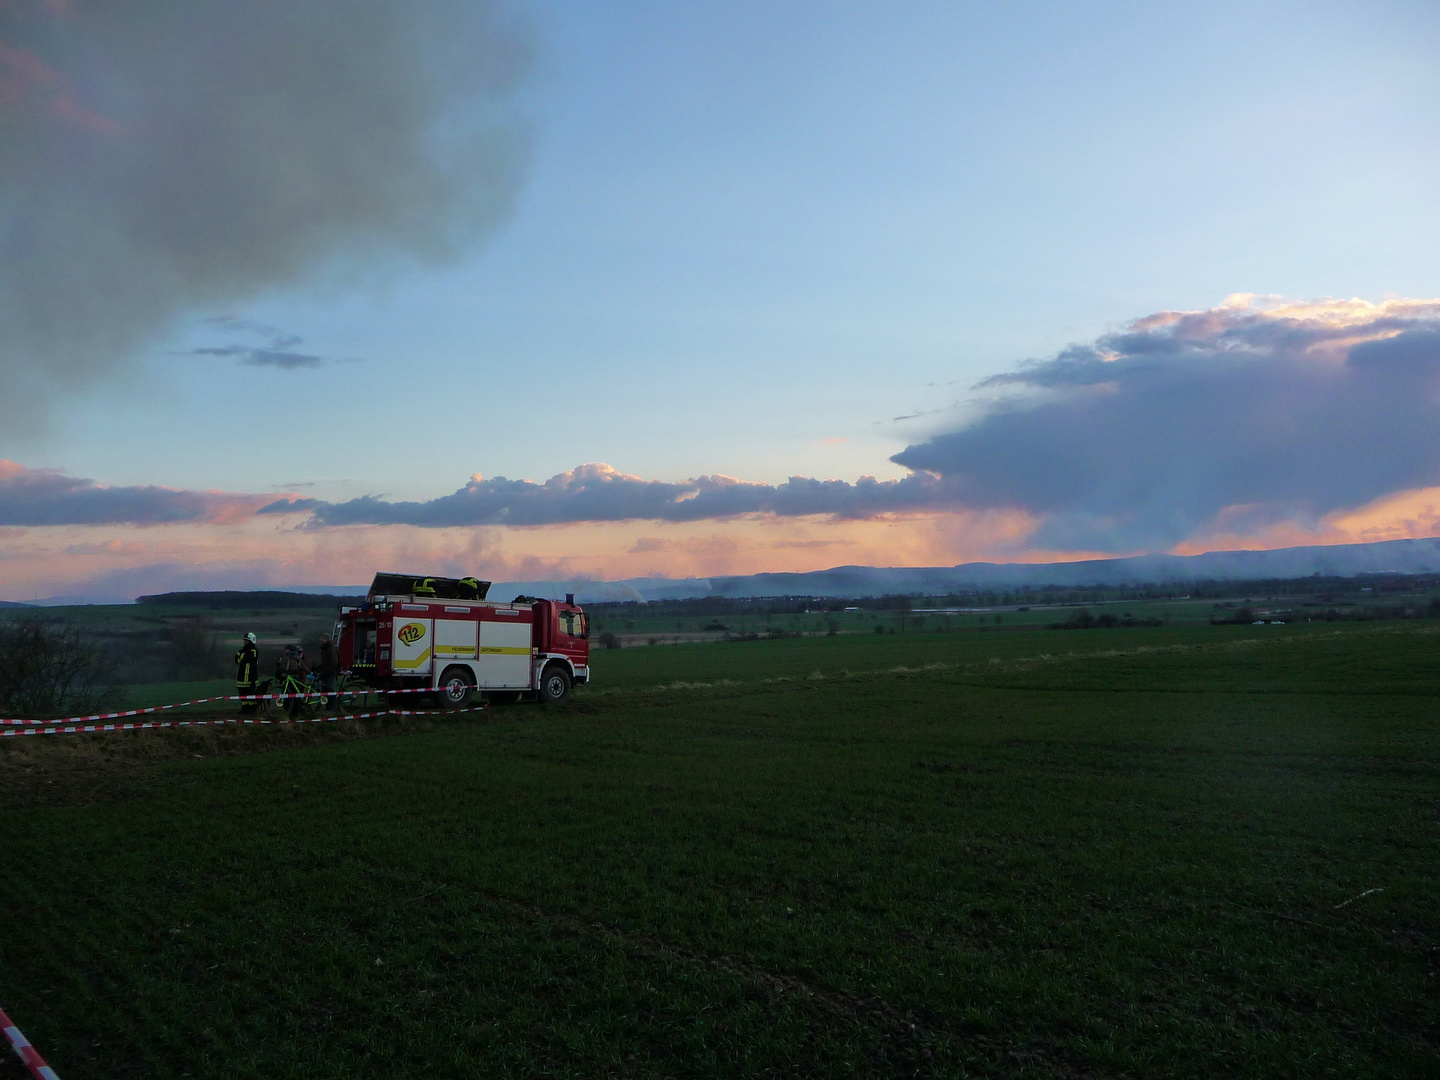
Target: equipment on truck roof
column 442, row 588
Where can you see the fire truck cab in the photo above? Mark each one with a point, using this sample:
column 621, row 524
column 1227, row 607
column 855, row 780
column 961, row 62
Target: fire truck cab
column 419, row 632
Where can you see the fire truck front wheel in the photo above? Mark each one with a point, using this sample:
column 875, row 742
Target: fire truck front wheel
column 554, row 685
column 456, row 687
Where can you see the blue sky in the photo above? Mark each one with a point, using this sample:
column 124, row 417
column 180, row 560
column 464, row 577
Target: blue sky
column 746, row 238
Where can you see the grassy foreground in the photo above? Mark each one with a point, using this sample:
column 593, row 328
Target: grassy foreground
column 1037, row 853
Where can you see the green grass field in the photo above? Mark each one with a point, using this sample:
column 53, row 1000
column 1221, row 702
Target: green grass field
column 1175, row 852
column 638, row 623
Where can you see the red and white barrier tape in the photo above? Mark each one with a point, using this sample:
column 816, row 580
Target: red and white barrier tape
column 67, row 727
column 24, row 1051
column 208, row 700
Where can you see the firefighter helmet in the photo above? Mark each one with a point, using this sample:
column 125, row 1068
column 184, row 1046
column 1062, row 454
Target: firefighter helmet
column 423, row 587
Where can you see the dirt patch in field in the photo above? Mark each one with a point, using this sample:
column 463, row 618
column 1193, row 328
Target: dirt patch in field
column 86, row 769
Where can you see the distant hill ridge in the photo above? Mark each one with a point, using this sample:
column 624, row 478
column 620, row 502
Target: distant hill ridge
column 1341, row 560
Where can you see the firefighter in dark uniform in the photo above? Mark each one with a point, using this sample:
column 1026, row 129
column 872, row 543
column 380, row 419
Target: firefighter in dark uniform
column 247, row 671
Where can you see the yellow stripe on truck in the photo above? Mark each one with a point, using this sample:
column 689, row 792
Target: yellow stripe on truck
column 505, row 650
column 417, row 662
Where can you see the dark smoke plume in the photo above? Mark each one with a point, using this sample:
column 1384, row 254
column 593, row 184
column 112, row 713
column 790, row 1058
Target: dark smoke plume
column 161, row 156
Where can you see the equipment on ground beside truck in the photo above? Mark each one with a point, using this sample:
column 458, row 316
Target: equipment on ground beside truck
column 417, row 631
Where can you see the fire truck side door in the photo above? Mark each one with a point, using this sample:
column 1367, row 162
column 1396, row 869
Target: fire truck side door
column 414, row 646
column 505, row 652
column 455, row 639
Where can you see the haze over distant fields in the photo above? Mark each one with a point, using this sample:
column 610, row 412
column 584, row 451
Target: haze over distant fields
column 1331, row 560
column 289, row 295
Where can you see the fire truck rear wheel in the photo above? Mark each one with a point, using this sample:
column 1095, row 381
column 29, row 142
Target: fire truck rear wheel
column 554, row 685
column 456, row 687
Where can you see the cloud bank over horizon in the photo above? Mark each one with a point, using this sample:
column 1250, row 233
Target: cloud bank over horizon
column 1244, row 416
column 37, row 498
column 598, row 492
column 159, row 158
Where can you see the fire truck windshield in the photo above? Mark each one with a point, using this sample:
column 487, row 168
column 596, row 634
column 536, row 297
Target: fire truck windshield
column 573, row 623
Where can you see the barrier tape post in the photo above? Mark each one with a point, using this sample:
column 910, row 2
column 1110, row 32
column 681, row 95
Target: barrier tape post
column 24, row 1051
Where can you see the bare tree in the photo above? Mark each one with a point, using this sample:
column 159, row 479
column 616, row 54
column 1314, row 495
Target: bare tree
column 193, row 643
column 901, row 606
column 47, row 669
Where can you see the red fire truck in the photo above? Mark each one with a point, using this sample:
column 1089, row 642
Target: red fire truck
column 442, row 634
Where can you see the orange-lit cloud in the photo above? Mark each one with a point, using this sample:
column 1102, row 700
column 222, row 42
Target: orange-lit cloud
column 128, row 560
column 123, row 561
column 1405, row 515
